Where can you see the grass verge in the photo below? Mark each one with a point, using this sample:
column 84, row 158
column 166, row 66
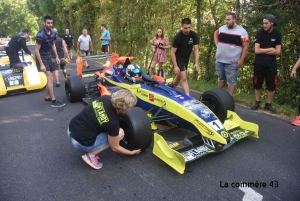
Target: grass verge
column 246, row 99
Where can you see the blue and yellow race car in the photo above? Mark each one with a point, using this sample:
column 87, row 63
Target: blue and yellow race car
column 21, row 77
column 205, row 126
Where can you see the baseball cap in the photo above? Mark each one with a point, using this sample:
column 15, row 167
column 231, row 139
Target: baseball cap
column 271, row 18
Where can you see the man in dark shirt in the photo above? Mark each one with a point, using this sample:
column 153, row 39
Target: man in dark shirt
column 97, row 126
column 61, row 47
column 44, row 43
column 69, row 41
column 267, row 47
column 17, row 43
column 183, row 43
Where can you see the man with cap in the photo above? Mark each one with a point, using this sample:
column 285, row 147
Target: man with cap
column 17, row 43
column 267, row 47
column 61, row 47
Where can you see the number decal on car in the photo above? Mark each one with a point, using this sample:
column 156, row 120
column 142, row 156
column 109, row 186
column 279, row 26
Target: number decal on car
column 216, row 125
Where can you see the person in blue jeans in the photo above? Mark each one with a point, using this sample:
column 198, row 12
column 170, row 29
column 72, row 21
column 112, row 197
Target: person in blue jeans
column 44, row 44
column 232, row 43
column 97, row 126
column 105, row 40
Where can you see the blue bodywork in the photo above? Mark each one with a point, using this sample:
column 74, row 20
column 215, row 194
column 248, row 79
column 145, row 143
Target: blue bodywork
column 188, row 102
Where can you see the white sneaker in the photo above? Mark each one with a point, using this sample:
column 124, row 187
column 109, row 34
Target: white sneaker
column 106, row 64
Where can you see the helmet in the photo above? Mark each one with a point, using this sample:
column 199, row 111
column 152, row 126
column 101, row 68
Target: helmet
column 133, row 71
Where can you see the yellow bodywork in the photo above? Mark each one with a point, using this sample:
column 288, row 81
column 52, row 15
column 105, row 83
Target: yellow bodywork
column 173, row 107
column 33, row 79
column 177, row 161
column 161, row 149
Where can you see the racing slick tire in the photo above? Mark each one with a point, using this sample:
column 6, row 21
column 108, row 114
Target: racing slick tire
column 137, row 128
column 218, row 101
column 75, row 88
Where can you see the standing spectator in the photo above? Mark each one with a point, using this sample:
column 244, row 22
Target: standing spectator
column 44, row 43
column 30, row 39
column 69, row 41
column 183, row 43
column 61, row 47
column 296, row 122
column 105, row 39
column 267, row 46
column 160, row 43
column 17, row 43
column 97, row 127
column 84, row 45
column 232, row 43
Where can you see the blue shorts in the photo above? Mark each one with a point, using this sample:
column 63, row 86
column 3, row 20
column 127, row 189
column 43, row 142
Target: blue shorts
column 227, row 72
column 101, row 141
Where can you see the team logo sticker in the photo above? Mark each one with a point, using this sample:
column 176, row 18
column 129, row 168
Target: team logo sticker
column 205, row 114
column 224, row 134
column 151, row 97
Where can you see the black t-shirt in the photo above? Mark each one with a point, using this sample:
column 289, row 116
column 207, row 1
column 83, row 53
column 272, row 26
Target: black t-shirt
column 98, row 117
column 267, row 40
column 184, row 44
column 69, row 39
column 17, row 43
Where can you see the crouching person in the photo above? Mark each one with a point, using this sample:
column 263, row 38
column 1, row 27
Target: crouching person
column 97, row 126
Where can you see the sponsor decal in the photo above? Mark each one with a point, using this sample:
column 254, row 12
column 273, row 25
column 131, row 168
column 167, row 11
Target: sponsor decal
column 151, row 97
column 237, row 134
column 224, row 134
column 216, row 125
column 143, row 93
column 195, row 153
column 88, row 75
column 179, row 96
column 205, row 113
column 173, row 145
column 207, row 130
column 159, row 100
column 16, row 70
column 13, row 78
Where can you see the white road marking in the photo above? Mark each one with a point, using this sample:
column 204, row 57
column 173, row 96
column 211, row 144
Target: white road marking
column 250, row 194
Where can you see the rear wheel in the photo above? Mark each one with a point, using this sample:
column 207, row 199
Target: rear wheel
column 75, row 88
column 136, row 125
column 218, row 101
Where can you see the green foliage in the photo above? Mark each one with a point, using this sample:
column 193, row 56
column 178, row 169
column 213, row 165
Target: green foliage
column 133, row 24
column 15, row 16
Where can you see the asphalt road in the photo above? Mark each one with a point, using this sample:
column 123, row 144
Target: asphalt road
column 38, row 162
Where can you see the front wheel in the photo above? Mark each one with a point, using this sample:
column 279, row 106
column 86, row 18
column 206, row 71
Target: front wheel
column 74, row 88
column 137, row 128
column 218, row 101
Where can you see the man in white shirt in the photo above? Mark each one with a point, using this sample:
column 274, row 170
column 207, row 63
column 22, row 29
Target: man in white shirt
column 84, row 45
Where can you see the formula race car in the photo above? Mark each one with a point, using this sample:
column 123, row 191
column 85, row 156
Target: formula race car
column 203, row 126
column 21, row 77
